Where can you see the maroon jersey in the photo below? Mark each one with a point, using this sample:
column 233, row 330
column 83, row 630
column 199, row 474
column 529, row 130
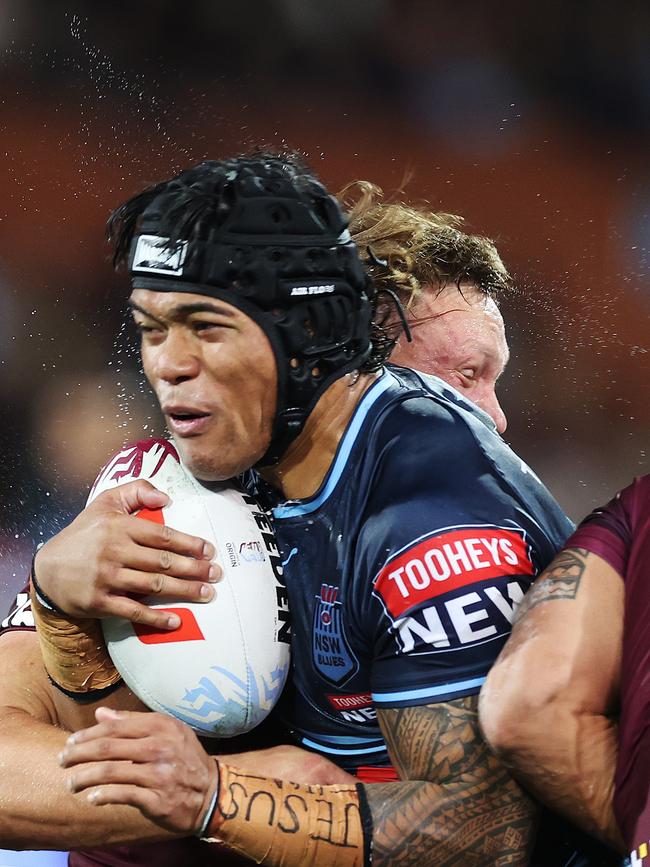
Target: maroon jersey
column 620, row 534
column 172, row 853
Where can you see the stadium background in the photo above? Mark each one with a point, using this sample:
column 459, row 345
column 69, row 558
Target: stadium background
column 531, row 120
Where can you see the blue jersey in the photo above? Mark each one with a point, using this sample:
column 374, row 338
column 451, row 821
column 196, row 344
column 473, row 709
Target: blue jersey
column 403, row 571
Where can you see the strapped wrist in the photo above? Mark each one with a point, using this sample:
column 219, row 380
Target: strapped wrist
column 276, row 822
column 41, row 595
column 74, row 653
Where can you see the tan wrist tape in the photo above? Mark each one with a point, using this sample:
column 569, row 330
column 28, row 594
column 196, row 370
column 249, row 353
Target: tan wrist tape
column 288, row 824
column 74, row 651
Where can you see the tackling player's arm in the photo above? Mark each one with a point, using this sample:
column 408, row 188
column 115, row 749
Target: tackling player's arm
column 456, row 801
column 461, row 801
column 548, row 705
column 37, row 809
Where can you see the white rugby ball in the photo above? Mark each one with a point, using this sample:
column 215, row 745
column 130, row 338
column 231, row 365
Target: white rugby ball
column 223, row 670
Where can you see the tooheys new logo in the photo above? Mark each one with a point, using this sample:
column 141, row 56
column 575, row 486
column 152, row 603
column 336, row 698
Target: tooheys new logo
column 357, row 708
column 454, row 588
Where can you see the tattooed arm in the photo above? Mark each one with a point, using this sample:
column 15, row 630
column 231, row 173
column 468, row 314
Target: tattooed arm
column 462, row 806
column 547, row 705
column 455, row 804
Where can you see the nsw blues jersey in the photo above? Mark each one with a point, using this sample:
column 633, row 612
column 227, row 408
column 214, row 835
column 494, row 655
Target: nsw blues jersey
column 403, row 571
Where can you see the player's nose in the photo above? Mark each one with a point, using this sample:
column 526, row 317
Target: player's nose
column 492, row 407
column 175, row 360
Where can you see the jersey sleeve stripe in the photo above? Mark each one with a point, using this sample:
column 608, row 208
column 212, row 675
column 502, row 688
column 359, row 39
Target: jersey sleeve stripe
column 342, row 752
column 337, row 739
column 349, row 437
column 460, row 687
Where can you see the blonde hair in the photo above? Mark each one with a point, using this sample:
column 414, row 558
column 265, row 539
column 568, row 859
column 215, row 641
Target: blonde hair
column 421, row 247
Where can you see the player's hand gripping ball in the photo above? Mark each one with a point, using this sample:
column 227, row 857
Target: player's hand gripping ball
column 223, row 669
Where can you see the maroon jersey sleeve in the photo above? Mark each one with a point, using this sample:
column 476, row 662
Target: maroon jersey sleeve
column 607, row 532
column 20, row 614
column 620, row 534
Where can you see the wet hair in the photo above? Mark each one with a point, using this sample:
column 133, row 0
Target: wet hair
column 201, row 198
column 421, row 247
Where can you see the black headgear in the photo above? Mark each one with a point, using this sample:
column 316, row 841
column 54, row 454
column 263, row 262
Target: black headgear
column 265, row 236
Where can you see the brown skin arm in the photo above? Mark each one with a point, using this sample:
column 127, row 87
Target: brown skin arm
column 36, row 808
column 458, row 805
column 548, row 706
column 72, row 715
column 461, row 806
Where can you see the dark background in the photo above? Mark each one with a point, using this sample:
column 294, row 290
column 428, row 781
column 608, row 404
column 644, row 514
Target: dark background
column 531, row 120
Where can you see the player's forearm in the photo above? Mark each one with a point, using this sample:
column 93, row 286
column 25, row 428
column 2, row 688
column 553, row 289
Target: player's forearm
column 412, row 822
column 567, row 759
column 469, row 810
column 73, row 716
column 420, row 823
column 36, row 809
column 545, row 704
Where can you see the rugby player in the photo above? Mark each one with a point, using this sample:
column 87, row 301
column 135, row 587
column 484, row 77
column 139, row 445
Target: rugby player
column 422, row 652
column 427, row 258
column 582, row 639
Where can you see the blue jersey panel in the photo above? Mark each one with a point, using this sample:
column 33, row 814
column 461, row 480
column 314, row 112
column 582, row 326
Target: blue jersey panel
column 404, row 570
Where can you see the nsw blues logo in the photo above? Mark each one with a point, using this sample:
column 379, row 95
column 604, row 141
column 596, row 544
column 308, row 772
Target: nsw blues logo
column 332, row 656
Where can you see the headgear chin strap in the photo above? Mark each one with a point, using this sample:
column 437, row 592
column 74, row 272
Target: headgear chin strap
column 267, row 238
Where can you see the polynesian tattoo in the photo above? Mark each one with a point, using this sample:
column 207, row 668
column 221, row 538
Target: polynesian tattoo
column 457, row 804
column 561, row 580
